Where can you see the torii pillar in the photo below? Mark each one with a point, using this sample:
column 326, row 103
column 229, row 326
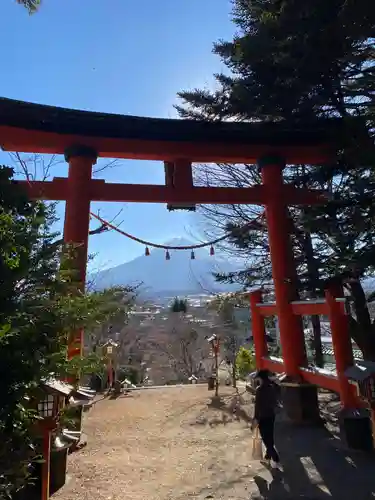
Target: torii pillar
column 77, row 221
column 300, row 399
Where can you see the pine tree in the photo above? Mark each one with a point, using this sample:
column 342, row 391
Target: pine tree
column 295, row 62
column 31, row 5
column 179, row 305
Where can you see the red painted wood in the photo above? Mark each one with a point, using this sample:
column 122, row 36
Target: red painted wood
column 321, row 380
column 273, row 366
column 56, row 190
column 99, row 190
column 76, row 226
column 77, row 210
column 267, row 309
column 291, row 333
column 183, row 175
column 144, row 193
column 312, row 377
column 298, row 309
column 161, row 194
column 32, row 141
column 306, row 309
column 258, row 329
column 342, row 347
column 310, row 309
column 46, row 465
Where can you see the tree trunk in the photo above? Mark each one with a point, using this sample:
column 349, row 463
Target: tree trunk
column 361, row 328
column 317, row 341
column 234, row 382
column 313, row 278
column 295, row 281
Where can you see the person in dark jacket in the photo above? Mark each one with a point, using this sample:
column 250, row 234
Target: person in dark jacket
column 266, row 402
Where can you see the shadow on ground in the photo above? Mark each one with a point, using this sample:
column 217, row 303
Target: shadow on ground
column 114, row 395
column 221, row 410
column 315, row 466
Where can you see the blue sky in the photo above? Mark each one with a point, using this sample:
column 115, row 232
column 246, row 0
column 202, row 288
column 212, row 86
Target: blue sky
column 119, row 56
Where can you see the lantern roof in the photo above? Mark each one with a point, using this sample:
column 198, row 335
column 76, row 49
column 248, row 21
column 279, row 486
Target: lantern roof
column 110, row 342
column 57, row 386
column 361, row 371
column 84, row 393
column 63, row 389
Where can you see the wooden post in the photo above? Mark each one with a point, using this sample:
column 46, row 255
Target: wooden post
column 217, row 371
column 46, row 451
column 110, row 375
column 258, row 329
column 77, row 221
column 291, row 334
column 372, row 413
column 342, row 346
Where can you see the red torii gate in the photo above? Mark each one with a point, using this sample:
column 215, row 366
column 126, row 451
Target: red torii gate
column 84, row 136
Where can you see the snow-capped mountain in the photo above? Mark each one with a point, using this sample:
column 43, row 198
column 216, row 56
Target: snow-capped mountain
column 179, row 275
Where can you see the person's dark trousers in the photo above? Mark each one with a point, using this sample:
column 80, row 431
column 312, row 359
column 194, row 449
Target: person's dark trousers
column 266, row 430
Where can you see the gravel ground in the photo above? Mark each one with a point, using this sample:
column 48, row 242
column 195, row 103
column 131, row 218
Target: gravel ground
column 174, row 443
column 158, row 444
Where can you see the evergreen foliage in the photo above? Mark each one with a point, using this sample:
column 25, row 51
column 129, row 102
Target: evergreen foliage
column 38, row 311
column 297, row 62
column 245, row 362
column 179, row 305
column 31, row 5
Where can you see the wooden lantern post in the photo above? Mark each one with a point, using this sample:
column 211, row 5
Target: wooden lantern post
column 215, row 346
column 46, row 454
column 54, row 397
column 48, row 409
column 109, row 351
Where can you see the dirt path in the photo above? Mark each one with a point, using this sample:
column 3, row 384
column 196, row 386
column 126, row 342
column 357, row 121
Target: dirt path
column 157, row 444
column 173, row 444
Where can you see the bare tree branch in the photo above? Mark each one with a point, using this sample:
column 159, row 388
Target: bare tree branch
column 40, row 167
column 36, row 166
column 111, row 164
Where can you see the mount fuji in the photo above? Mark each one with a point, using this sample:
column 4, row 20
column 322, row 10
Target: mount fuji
column 179, row 275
